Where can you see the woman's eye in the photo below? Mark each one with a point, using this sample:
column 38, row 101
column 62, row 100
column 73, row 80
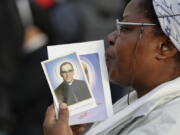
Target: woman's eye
column 124, row 28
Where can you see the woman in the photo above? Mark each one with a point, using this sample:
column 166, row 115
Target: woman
column 144, row 53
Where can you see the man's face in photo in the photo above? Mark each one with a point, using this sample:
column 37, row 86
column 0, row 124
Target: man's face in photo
column 67, row 73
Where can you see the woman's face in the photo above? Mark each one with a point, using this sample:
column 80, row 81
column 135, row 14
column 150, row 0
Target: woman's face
column 129, row 57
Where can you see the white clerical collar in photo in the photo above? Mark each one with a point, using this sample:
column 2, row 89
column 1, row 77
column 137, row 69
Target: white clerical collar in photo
column 70, row 83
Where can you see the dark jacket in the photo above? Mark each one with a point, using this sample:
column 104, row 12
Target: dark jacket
column 73, row 93
column 11, row 37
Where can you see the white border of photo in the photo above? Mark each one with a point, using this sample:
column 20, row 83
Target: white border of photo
column 77, row 107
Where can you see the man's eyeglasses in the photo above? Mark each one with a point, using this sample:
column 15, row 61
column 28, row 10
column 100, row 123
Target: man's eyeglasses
column 120, row 24
column 68, row 71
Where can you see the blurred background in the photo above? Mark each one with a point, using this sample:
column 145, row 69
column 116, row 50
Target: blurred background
column 26, row 28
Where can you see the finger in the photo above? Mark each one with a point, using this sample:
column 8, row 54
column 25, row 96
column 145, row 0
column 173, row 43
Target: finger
column 78, row 126
column 50, row 115
column 63, row 114
column 80, row 130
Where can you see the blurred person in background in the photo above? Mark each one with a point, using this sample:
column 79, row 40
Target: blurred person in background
column 91, row 19
column 11, row 38
column 23, row 89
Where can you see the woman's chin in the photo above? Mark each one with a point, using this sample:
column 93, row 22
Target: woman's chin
column 118, row 80
column 113, row 79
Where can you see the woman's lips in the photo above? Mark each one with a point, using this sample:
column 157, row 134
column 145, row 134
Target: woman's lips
column 109, row 59
column 109, row 54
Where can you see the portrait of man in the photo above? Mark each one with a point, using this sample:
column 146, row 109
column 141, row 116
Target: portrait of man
column 71, row 90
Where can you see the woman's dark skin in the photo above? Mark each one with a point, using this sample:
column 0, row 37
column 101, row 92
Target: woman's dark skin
column 140, row 62
column 136, row 58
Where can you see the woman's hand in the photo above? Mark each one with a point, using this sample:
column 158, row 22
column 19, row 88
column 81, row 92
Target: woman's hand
column 52, row 126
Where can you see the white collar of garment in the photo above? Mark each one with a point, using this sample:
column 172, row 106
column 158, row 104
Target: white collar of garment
column 70, row 83
column 168, row 88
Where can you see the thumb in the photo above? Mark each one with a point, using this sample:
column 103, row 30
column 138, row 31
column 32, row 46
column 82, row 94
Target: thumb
column 63, row 114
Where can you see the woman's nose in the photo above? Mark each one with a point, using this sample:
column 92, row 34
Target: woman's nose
column 111, row 38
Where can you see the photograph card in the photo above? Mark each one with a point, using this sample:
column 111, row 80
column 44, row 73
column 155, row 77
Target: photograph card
column 68, row 83
column 92, row 58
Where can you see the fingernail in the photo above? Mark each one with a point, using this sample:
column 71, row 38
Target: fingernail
column 63, row 106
